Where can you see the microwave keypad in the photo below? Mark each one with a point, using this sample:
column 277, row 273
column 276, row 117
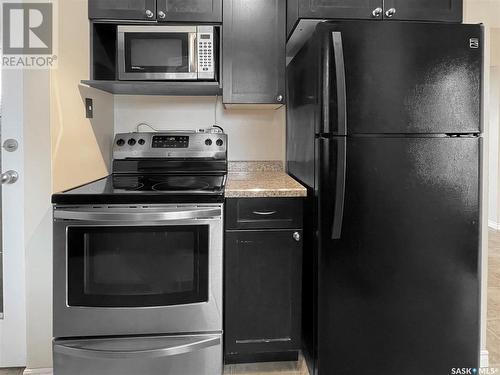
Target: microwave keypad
column 205, row 53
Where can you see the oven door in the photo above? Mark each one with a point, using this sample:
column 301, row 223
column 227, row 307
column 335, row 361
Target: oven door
column 137, row 270
column 157, row 53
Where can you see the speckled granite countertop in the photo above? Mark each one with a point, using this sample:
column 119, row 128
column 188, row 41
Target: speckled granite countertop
column 261, row 180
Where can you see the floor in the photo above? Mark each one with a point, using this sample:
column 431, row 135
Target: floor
column 299, row 368
column 12, row 371
column 493, row 338
column 272, row 368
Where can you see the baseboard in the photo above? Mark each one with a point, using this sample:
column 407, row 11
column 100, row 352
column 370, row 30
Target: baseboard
column 485, row 358
column 493, row 225
column 38, row 371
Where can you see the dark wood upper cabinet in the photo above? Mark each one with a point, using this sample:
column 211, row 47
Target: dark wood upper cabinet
column 190, row 10
column 157, row 10
column 424, row 10
column 357, row 9
column 411, row 10
column 254, row 52
column 122, row 9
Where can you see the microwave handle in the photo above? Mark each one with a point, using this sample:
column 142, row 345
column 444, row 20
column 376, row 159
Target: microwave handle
column 90, row 353
column 134, row 216
column 193, row 52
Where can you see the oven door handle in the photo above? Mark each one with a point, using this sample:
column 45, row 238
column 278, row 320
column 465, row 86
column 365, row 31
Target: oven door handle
column 134, row 216
column 90, row 353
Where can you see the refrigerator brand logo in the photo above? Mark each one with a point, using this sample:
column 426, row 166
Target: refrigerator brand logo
column 28, row 30
column 474, row 43
column 475, row 371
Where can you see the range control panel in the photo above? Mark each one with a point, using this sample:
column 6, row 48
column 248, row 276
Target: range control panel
column 169, row 141
column 210, row 144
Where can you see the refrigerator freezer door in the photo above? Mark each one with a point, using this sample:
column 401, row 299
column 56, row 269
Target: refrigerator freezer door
column 407, row 77
column 399, row 291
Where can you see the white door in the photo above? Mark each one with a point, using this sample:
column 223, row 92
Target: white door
column 13, row 275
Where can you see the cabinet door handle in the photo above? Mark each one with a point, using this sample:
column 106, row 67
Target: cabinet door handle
column 149, row 14
column 296, row 236
column 279, row 98
column 264, row 213
column 162, row 14
column 391, row 12
column 377, row 12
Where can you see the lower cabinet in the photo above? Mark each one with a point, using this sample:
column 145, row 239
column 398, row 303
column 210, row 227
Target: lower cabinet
column 262, row 294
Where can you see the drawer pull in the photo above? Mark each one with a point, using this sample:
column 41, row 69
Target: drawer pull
column 264, row 213
column 263, row 341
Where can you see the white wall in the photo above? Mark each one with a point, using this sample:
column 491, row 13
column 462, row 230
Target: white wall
column 494, row 134
column 38, row 218
column 253, row 134
column 494, row 121
column 78, row 144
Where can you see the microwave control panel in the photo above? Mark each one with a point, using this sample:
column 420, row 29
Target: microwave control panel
column 206, row 48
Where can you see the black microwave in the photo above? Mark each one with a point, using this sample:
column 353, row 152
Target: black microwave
column 164, row 53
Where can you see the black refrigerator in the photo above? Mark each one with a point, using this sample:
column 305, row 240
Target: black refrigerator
column 384, row 128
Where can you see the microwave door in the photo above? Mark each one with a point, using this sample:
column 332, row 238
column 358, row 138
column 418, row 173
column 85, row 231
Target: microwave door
column 157, row 53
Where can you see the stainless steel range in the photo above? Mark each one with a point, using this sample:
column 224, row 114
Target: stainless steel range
column 138, row 260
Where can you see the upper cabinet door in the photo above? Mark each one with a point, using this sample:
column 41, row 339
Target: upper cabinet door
column 190, row 10
column 254, row 52
column 354, row 9
column 339, row 8
column 424, row 10
column 123, row 9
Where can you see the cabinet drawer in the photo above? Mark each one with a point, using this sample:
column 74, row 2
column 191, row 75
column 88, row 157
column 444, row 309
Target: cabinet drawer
column 179, row 355
column 264, row 213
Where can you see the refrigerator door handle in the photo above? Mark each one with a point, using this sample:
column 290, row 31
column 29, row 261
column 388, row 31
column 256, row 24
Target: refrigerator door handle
column 340, row 79
column 339, row 160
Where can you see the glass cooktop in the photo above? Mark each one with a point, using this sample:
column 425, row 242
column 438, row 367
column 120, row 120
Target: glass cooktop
column 147, row 188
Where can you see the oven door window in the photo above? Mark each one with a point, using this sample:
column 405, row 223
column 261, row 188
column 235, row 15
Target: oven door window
column 137, row 266
column 157, row 53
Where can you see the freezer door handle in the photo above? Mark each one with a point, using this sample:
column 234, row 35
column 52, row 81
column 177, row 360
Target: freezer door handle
column 92, row 353
column 337, row 163
column 340, row 84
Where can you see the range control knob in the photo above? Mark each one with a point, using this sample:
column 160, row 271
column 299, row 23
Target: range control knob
column 142, row 142
column 132, row 142
column 208, row 142
column 219, row 142
column 120, row 142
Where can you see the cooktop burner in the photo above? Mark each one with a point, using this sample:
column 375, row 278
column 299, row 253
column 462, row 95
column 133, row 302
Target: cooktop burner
column 166, row 184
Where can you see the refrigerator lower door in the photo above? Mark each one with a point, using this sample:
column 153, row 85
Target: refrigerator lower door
column 399, row 290
column 169, row 355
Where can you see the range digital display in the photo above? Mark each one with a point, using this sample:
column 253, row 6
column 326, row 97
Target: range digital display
column 168, row 141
